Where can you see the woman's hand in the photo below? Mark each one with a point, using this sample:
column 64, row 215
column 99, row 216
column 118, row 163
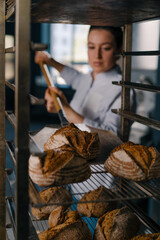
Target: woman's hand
column 50, row 102
column 42, row 57
column 71, row 115
column 46, row 58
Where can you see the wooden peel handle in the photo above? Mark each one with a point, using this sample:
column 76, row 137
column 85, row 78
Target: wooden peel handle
column 58, row 108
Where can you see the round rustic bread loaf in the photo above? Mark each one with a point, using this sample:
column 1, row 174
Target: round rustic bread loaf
column 58, row 167
column 84, row 143
column 119, row 224
column 134, row 162
column 96, row 209
column 72, row 227
column 55, row 196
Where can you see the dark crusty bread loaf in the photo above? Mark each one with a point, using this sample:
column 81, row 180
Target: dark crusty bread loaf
column 119, row 224
column 84, row 143
column 72, row 227
column 96, row 209
column 59, row 166
column 133, row 161
column 51, row 195
column 149, row 236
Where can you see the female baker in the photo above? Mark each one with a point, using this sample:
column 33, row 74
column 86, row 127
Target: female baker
column 95, row 94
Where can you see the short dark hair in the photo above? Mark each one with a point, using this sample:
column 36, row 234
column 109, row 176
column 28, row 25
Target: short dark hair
column 116, row 31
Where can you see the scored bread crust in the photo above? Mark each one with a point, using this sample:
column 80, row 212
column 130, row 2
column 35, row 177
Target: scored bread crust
column 84, row 143
column 96, row 209
column 55, row 196
column 70, row 227
column 76, row 230
column 117, row 225
column 134, row 162
column 58, row 167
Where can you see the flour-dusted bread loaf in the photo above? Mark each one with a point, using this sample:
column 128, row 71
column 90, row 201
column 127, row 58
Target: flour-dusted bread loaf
column 58, row 167
column 96, row 209
column 134, row 162
column 55, row 195
column 149, row 236
column 72, row 227
column 119, row 224
column 84, row 143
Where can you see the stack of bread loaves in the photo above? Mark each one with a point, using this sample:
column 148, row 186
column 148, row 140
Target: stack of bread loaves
column 65, row 160
column 134, row 161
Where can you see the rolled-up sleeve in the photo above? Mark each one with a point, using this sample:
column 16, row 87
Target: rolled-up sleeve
column 71, row 76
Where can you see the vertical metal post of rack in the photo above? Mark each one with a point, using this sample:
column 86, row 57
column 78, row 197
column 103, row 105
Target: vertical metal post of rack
column 2, row 120
column 126, row 76
column 22, row 77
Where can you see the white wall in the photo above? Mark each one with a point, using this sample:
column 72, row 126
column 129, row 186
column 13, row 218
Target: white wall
column 145, row 38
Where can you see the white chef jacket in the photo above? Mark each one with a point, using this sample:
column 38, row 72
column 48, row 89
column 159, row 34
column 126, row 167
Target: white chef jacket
column 95, row 99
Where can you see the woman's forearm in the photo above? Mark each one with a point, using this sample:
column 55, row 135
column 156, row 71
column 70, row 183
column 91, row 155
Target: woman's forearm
column 73, row 116
column 45, row 57
column 59, row 66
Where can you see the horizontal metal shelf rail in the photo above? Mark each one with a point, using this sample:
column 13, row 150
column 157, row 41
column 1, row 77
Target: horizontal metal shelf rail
column 33, row 100
column 140, row 53
column 11, row 117
column 148, row 222
column 10, row 85
column 10, row 50
column 138, row 118
column 140, row 86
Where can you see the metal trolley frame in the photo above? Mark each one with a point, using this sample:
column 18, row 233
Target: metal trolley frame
column 20, row 118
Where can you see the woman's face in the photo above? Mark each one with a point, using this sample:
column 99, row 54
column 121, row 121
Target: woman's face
column 101, row 49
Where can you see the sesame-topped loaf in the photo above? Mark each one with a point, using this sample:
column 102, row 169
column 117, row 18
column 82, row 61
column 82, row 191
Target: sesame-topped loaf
column 84, row 143
column 134, row 161
column 99, row 206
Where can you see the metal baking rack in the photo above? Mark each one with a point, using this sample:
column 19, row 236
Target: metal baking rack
column 123, row 189
column 123, row 192
column 78, row 13
column 128, row 192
